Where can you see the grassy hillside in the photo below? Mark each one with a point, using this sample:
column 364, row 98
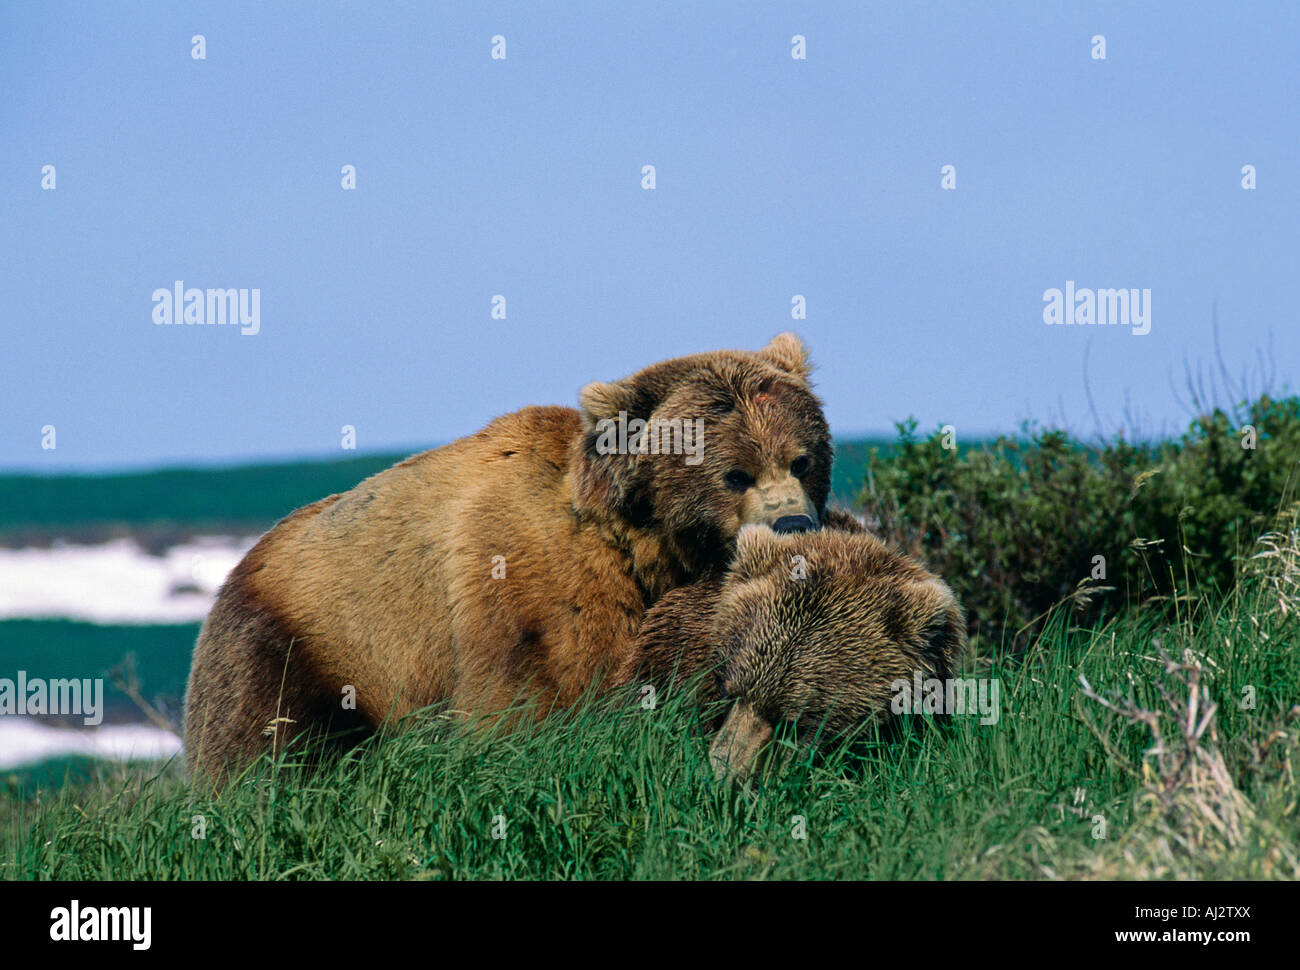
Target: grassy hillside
column 1061, row 786
column 1157, row 740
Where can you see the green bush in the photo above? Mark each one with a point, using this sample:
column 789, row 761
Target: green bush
column 1016, row 526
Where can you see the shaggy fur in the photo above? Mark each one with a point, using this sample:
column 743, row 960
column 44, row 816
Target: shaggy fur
column 819, row 650
column 389, row 589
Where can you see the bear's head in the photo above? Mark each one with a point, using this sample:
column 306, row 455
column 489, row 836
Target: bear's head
column 814, row 630
column 696, row 447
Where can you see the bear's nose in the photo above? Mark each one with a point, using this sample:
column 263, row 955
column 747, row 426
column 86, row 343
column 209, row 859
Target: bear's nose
column 792, row 523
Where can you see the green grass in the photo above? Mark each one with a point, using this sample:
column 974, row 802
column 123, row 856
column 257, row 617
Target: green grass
column 624, row 793
column 614, row 791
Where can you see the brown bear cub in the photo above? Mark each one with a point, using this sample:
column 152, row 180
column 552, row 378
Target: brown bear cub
column 809, row 629
column 519, row 560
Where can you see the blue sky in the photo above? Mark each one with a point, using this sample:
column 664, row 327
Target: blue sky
column 522, row 177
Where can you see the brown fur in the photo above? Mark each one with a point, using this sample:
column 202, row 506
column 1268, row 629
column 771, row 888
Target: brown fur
column 389, row 588
column 820, row 651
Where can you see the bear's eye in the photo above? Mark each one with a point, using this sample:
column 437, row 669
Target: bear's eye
column 799, row 467
column 738, row 480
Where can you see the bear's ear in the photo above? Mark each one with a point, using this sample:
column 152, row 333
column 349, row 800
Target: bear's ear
column 787, row 352
column 600, row 400
column 606, row 478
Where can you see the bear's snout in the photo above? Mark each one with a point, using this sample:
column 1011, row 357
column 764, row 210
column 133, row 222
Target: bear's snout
column 793, row 523
column 742, row 737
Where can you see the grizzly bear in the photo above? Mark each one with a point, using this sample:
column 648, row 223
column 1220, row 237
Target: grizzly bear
column 808, row 629
column 517, row 561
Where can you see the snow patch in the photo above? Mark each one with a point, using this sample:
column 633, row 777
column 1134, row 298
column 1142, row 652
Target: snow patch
column 24, row 741
column 117, row 582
